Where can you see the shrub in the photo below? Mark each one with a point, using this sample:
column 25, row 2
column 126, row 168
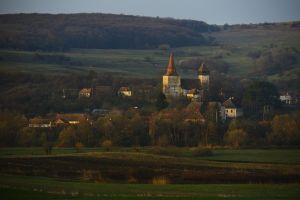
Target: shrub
column 160, row 180
column 235, row 137
column 107, row 144
column 78, row 146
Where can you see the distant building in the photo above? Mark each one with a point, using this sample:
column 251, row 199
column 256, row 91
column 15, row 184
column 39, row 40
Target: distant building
column 203, row 76
column 286, row 98
column 171, row 80
column 174, row 86
column 71, row 118
column 125, row 92
column 85, row 92
column 231, row 110
column 41, row 123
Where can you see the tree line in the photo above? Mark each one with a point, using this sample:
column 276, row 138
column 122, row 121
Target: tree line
column 97, row 31
column 132, row 128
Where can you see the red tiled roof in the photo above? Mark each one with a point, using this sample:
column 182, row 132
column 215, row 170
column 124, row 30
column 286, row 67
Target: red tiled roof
column 171, row 71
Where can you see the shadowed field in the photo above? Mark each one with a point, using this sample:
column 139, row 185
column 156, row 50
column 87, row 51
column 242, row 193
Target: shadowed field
column 284, row 156
column 21, row 187
column 149, row 173
column 175, row 165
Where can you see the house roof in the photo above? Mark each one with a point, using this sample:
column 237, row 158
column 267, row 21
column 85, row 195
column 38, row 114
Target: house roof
column 124, row 89
column 171, row 70
column 229, row 104
column 203, row 70
column 71, row 117
column 86, row 90
column 38, row 120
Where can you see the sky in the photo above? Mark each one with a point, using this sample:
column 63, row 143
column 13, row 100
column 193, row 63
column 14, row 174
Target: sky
column 210, row 11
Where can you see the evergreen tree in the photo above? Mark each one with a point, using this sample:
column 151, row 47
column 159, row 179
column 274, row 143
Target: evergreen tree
column 161, row 101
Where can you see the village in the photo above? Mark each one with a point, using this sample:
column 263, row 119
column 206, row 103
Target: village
column 195, row 91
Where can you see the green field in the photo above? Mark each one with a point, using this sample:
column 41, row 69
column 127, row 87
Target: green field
column 233, row 47
column 288, row 156
column 126, row 173
column 21, row 187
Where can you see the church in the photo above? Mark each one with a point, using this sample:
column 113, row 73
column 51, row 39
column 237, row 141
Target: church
column 174, row 86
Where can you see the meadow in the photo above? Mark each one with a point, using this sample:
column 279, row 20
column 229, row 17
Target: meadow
column 288, row 156
column 232, row 48
column 149, row 173
column 22, row 187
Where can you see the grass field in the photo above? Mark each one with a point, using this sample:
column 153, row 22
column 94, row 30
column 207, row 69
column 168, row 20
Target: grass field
column 145, row 164
column 22, row 187
column 27, row 173
column 233, row 47
column 287, row 156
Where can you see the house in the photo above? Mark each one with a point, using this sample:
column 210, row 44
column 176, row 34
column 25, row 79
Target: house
column 70, row 119
column 38, row 122
column 125, row 92
column 85, row 92
column 231, row 110
column 286, row 98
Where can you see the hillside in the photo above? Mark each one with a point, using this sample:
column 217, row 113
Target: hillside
column 264, row 51
column 98, row 31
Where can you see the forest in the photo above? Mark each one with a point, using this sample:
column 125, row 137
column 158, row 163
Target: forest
column 98, row 31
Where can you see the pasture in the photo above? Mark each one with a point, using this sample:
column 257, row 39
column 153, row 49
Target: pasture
column 232, row 47
column 149, row 173
column 22, row 187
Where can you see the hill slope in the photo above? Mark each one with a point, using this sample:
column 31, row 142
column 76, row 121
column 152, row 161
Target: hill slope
column 101, row 31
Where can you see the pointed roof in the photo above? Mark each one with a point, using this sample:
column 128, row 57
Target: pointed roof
column 193, row 112
column 229, row 104
column 203, row 70
column 171, row 71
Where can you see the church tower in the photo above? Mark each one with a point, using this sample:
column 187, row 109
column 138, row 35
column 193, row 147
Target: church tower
column 203, row 76
column 171, row 80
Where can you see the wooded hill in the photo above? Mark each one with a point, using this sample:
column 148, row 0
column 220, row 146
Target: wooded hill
column 98, row 31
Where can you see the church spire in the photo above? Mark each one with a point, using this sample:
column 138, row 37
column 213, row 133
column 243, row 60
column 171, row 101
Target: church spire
column 203, row 70
column 171, row 71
